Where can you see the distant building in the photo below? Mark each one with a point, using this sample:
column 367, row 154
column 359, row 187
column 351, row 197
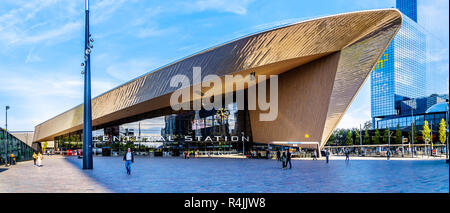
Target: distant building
column 420, row 105
column 14, row 146
column 321, row 64
column 400, row 74
column 431, row 109
column 24, row 136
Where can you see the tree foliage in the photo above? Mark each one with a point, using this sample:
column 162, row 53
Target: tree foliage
column 377, row 136
column 366, row 140
column 442, row 131
column 386, row 136
column 413, row 132
column 349, row 139
column 357, row 136
column 367, row 125
column 426, row 132
column 398, row 135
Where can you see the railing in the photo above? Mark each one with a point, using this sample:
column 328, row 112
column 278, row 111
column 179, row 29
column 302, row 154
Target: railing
column 396, row 150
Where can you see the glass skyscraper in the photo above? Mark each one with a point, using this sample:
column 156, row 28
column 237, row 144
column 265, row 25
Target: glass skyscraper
column 400, row 74
column 408, row 7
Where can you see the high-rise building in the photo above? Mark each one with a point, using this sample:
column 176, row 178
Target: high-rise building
column 408, row 7
column 400, row 74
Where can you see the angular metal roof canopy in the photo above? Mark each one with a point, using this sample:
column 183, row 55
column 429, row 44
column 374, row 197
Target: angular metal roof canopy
column 359, row 39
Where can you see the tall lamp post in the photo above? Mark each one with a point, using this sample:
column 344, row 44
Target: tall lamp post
column 6, row 134
column 446, row 118
column 87, row 113
column 360, row 138
column 412, row 131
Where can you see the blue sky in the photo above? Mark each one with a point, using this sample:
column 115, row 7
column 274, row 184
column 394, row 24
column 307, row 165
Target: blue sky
column 41, row 44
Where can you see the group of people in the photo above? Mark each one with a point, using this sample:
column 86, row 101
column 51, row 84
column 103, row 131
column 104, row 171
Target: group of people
column 10, row 159
column 37, row 159
column 187, row 154
column 285, row 158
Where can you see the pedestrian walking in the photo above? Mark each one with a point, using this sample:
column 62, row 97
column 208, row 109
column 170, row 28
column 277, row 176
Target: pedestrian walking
column 314, row 155
column 283, row 160
column 34, row 158
column 347, row 154
column 278, row 155
column 327, row 155
column 39, row 159
column 288, row 159
column 129, row 159
column 388, row 154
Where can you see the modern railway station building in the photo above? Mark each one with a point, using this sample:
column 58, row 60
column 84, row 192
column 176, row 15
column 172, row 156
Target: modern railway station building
column 320, row 65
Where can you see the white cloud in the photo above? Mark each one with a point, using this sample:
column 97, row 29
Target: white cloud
column 14, row 24
column 104, row 9
column 233, row 6
column 54, row 35
column 359, row 111
column 150, row 32
column 433, row 16
column 41, row 96
column 32, row 57
column 125, row 71
column 19, row 26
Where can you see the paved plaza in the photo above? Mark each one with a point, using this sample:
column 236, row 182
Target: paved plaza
column 57, row 175
column 173, row 174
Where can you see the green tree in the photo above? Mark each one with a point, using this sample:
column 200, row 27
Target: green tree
column 413, row 132
column 340, row 137
column 332, row 139
column 357, row 136
column 45, row 146
column 398, row 135
column 377, row 136
column 349, row 139
column 426, row 132
column 442, row 131
column 366, row 140
column 386, row 136
column 367, row 125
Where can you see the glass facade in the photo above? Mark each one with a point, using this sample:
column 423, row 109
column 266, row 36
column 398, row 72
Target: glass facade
column 408, row 7
column 15, row 146
column 400, row 74
column 226, row 129
column 391, row 123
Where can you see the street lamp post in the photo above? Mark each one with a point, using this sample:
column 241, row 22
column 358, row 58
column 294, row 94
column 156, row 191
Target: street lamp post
column 446, row 118
column 403, row 148
column 431, row 139
column 360, row 139
column 412, row 132
column 243, row 145
column 87, row 113
column 389, row 139
column 6, row 134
